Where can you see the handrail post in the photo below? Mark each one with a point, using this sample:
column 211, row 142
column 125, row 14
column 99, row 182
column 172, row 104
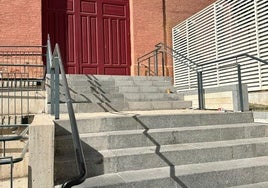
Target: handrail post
column 149, row 66
column 48, row 55
column 57, row 92
column 52, row 90
column 200, row 90
column 156, row 62
column 138, row 67
column 240, row 90
column 163, row 63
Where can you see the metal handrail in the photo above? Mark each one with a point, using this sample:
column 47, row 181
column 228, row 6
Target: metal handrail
column 163, row 48
column 200, row 68
column 4, row 159
column 56, row 67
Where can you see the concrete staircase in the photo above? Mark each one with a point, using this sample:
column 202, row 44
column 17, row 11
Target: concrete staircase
column 162, row 148
column 99, row 93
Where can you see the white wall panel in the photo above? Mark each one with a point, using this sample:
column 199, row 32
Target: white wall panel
column 223, row 29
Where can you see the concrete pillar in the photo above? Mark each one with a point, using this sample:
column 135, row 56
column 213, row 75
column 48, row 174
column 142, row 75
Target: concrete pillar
column 41, row 152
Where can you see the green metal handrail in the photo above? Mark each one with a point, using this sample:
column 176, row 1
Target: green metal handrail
column 199, row 68
column 56, row 69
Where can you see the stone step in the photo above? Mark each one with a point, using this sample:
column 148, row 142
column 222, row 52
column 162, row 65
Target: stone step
column 116, row 121
column 206, row 175
column 143, row 83
column 152, row 96
column 166, row 136
column 159, row 105
column 92, row 107
column 115, row 105
column 178, row 154
column 144, row 89
column 115, row 77
column 126, row 78
column 91, row 97
column 254, row 185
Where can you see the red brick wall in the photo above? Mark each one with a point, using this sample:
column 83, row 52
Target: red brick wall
column 149, row 28
column 146, row 27
column 20, row 22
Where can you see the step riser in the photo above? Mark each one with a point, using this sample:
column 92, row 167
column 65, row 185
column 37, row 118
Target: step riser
column 143, row 83
column 103, row 124
column 150, row 96
column 91, row 107
column 91, row 98
column 117, row 78
column 141, row 139
column 159, row 105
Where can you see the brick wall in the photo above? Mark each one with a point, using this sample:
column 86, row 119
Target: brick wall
column 20, row 22
column 151, row 24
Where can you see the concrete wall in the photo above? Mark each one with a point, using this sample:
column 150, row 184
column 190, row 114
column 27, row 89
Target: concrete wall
column 41, row 152
column 259, row 97
column 224, row 97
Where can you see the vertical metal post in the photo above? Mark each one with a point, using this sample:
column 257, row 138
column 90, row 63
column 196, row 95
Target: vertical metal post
column 15, row 98
column 57, row 92
column 2, row 97
column 163, row 64
column 28, row 100
column 200, row 90
column 156, row 62
column 149, row 66
column 240, row 87
column 11, row 172
column 52, row 89
column 138, row 68
column 8, row 97
column 48, row 55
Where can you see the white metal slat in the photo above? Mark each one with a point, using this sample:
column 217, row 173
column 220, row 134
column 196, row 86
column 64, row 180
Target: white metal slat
column 241, row 36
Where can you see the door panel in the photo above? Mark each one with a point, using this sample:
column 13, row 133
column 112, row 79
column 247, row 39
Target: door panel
column 93, row 35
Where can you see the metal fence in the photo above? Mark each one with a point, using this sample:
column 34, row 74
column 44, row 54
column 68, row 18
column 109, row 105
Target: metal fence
column 223, row 29
column 21, row 71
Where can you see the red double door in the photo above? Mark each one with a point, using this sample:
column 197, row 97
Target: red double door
column 94, row 35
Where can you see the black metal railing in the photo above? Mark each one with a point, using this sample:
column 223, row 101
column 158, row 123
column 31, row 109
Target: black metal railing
column 56, row 70
column 13, row 133
column 165, row 50
column 21, row 71
column 150, row 62
column 198, row 69
column 213, row 66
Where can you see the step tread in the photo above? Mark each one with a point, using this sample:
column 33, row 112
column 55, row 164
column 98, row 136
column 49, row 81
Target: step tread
column 182, row 147
column 161, row 130
column 174, row 147
column 255, row 185
column 182, row 170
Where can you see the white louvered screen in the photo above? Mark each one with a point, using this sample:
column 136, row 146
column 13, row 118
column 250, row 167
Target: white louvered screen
column 223, row 29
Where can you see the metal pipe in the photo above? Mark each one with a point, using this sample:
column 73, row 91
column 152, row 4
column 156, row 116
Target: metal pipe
column 200, row 90
column 163, row 63
column 75, row 134
column 57, row 92
column 156, row 63
column 52, row 89
column 240, row 88
column 138, row 68
column 149, row 66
